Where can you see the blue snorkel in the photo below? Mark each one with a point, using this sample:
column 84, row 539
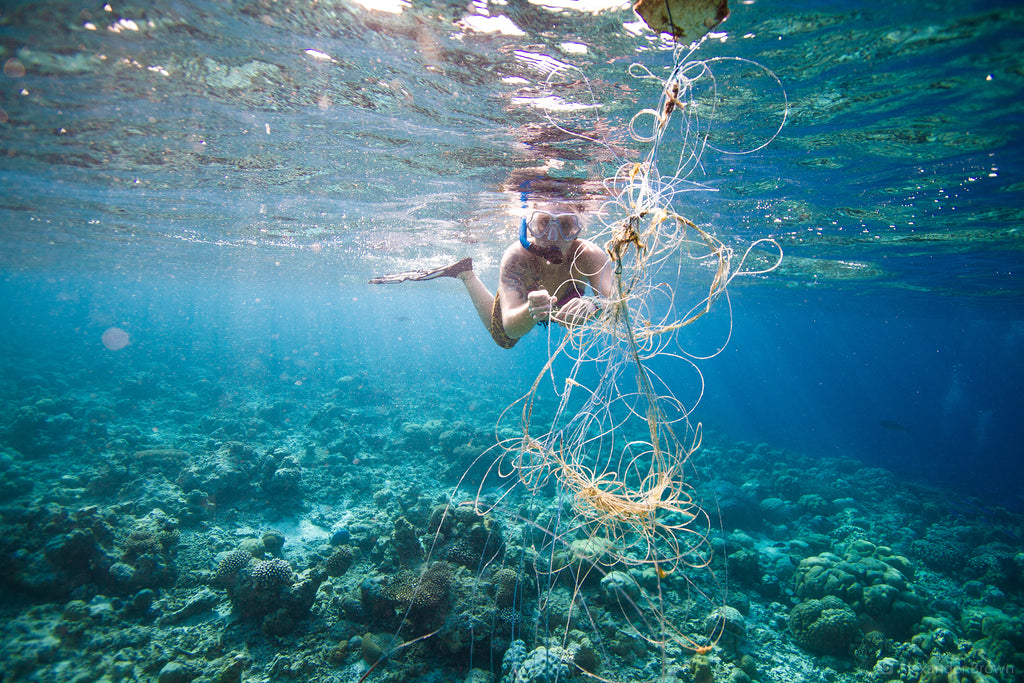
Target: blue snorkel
column 522, row 232
column 550, row 253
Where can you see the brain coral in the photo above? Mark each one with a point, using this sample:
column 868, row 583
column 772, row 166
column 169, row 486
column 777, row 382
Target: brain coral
column 826, row 626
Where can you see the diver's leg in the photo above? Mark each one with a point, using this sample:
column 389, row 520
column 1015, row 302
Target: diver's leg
column 488, row 307
column 483, row 300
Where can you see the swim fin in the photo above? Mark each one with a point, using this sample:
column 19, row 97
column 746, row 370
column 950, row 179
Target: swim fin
column 453, row 270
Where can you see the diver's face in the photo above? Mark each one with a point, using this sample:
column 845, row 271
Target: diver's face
column 554, row 224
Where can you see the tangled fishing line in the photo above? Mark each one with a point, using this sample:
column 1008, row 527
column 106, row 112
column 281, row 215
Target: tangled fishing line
column 619, row 444
column 602, row 495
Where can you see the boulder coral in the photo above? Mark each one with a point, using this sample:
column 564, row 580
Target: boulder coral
column 825, row 626
column 619, row 588
column 281, row 478
column 423, row 436
column 745, row 567
column 875, row 582
column 1003, row 641
column 227, row 475
column 40, row 430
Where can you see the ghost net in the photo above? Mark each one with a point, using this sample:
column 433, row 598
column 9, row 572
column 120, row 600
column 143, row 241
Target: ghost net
column 613, row 573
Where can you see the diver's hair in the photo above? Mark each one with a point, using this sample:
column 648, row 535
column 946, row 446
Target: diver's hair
column 582, row 193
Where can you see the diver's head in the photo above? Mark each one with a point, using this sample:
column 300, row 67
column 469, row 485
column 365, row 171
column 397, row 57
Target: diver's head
column 552, row 210
column 550, row 228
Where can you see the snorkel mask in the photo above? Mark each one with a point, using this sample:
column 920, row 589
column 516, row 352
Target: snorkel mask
column 567, row 230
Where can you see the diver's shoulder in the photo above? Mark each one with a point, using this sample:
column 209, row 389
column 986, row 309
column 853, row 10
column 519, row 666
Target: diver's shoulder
column 515, row 254
column 585, row 247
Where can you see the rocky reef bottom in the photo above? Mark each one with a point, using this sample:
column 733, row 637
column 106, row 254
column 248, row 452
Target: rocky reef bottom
column 329, row 540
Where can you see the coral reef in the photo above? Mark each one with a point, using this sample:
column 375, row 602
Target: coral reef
column 149, row 551
column 541, row 665
column 873, row 580
column 41, row 429
column 207, row 533
column 465, row 537
column 267, row 591
column 1002, row 639
column 826, row 626
column 56, row 553
column 339, row 561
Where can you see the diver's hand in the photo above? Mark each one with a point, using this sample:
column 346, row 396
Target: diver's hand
column 539, row 305
column 576, row 311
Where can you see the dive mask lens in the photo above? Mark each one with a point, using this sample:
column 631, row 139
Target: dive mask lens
column 539, row 222
column 568, row 225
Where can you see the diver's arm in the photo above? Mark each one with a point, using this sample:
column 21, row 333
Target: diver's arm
column 516, row 302
column 597, row 262
column 517, row 319
column 594, row 264
column 576, row 311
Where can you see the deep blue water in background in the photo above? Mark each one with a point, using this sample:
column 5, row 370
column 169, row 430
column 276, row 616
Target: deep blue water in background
column 229, row 231
column 928, row 388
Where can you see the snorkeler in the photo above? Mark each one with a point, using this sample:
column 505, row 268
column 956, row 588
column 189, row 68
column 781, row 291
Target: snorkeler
column 543, row 276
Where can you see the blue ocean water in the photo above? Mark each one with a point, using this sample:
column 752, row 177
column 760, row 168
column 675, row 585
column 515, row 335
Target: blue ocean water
column 147, row 185
column 219, row 180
